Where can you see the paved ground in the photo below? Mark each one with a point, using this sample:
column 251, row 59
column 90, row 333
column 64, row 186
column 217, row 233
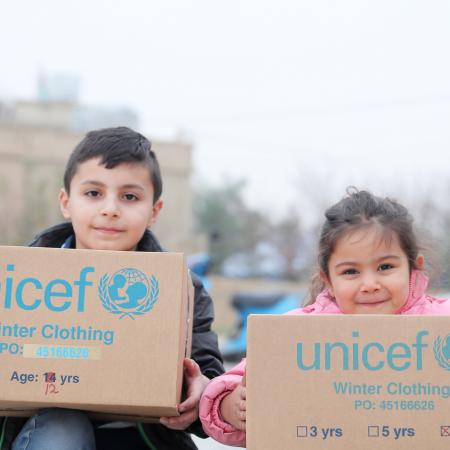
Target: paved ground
column 210, row 444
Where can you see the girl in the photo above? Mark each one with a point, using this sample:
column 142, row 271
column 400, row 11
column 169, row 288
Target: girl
column 369, row 263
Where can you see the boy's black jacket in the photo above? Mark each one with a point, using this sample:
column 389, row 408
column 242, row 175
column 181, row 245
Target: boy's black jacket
column 205, row 349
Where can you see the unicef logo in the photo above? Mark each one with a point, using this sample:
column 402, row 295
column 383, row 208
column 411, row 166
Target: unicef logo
column 441, row 349
column 128, row 292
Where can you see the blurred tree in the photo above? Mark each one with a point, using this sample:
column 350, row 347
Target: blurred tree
column 232, row 227
column 431, row 213
column 445, row 277
column 287, row 237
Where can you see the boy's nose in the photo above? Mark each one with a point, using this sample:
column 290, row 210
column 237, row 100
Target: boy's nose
column 110, row 208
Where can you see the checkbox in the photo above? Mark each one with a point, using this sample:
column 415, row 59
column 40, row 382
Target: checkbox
column 373, row 431
column 302, row 431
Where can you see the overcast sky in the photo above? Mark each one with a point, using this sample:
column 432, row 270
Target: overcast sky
column 282, row 93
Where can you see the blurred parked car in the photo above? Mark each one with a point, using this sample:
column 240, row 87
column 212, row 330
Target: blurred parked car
column 257, row 302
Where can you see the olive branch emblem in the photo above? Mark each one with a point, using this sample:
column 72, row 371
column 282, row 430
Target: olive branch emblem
column 439, row 354
column 113, row 308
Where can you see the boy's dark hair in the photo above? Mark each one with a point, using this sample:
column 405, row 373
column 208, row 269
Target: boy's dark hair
column 115, row 146
column 361, row 209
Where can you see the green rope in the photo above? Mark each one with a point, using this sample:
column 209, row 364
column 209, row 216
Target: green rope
column 144, row 436
column 2, row 436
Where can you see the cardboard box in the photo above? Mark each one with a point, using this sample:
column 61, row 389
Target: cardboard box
column 348, row 382
column 95, row 330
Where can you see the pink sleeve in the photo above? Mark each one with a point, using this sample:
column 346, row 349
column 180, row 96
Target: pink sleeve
column 212, row 421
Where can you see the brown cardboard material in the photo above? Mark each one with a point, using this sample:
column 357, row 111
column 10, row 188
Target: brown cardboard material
column 384, row 384
column 95, row 330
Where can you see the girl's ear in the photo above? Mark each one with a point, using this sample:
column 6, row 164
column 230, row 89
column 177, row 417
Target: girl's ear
column 63, row 203
column 326, row 281
column 419, row 262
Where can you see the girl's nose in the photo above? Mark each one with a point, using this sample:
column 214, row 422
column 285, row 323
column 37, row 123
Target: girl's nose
column 370, row 283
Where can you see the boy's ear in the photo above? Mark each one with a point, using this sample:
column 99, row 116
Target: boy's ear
column 326, row 281
column 420, row 261
column 157, row 206
column 63, row 203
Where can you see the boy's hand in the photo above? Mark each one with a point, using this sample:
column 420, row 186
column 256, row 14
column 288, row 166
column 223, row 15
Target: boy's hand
column 188, row 409
column 233, row 407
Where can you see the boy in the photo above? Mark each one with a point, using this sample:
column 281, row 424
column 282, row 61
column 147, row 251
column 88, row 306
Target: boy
column 111, row 196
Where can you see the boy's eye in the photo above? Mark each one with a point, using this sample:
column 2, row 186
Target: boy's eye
column 130, row 197
column 385, row 266
column 92, row 193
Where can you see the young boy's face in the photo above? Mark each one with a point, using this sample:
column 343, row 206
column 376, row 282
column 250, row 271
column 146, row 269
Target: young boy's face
column 110, row 208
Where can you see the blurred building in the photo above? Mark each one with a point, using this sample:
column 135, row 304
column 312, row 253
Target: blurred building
column 57, row 107
column 36, row 139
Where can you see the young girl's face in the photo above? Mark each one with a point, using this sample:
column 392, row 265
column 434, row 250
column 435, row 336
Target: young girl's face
column 367, row 274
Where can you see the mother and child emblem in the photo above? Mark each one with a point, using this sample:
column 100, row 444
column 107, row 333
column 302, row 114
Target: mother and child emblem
column 128, row 292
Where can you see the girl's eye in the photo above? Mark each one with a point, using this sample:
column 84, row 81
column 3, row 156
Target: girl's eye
column 349, row 272
column 130, row 197
column 92, row 193
column 385, row 266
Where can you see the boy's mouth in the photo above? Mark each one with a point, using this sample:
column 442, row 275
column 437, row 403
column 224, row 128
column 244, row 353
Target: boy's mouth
column 108, row 230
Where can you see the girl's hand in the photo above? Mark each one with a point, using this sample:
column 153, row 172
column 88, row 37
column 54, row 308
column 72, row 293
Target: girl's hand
column 188, row 409
column 233, row 407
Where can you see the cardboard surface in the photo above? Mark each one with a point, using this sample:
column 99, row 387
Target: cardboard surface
column 348, row 382
column 96, row 330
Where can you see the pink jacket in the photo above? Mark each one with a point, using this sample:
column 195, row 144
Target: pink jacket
column 418, row 302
